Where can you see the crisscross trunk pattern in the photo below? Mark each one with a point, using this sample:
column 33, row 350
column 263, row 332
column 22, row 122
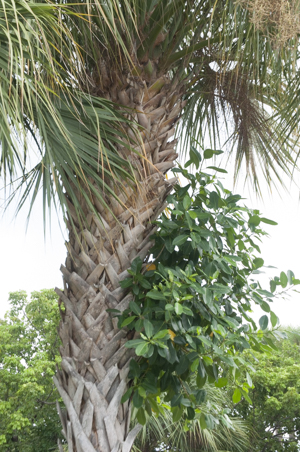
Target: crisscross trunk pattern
column 95, row 362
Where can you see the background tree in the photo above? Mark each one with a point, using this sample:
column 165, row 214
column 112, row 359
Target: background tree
column 161, row 62
column 28, row 358
column 274, row 413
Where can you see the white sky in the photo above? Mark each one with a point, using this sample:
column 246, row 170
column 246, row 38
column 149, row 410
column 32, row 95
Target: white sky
column 31, row 262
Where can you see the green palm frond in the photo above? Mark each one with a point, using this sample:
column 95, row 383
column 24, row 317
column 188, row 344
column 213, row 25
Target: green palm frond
column 31, row 39
column 77, row 162
column 232, row 98
column 229, row 113
column 41, row 102
column 163, row 434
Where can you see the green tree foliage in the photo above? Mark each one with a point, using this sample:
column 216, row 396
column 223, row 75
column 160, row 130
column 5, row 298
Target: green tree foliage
column 274, row 414
column 28, row 357
column 192, row 306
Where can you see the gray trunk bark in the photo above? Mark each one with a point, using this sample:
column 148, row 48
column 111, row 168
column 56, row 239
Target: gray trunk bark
column 95, row 362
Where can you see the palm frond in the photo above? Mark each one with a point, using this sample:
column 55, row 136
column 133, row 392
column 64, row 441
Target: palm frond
column 32, row 37
column 41, row 73
column 77, row 162
column 163, row 434
column 232, row 99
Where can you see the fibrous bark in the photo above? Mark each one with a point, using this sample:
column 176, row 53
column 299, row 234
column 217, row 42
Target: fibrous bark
column 95, row 361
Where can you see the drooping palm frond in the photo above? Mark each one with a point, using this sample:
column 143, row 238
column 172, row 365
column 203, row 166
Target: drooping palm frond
column 234, row 97
column 161, row 433
column 31, row 36
column 43, row 107
column 228, row 113
column 78, row 162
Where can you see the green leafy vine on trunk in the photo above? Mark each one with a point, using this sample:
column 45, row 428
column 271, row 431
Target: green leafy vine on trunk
column 191, row 307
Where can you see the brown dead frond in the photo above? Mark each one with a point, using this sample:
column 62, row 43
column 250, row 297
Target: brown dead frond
column 279, row 19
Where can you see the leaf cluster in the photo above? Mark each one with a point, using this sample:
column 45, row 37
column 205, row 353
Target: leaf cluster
column 191, row 307
column 54, row 136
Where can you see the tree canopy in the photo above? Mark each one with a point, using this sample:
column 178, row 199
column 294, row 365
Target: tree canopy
column 235, row 68
column 274, row 412
column 28, row 358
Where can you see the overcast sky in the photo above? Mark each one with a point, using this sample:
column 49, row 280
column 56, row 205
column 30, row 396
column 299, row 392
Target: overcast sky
column 29, row 261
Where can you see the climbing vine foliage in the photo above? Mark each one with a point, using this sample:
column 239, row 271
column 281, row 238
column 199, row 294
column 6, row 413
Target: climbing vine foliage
column 191, row 310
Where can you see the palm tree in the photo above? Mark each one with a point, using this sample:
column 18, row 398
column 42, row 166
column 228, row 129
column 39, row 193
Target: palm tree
column 102, row 88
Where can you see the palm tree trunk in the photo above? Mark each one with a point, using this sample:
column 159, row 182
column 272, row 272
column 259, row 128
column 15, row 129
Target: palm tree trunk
column 95, row 361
